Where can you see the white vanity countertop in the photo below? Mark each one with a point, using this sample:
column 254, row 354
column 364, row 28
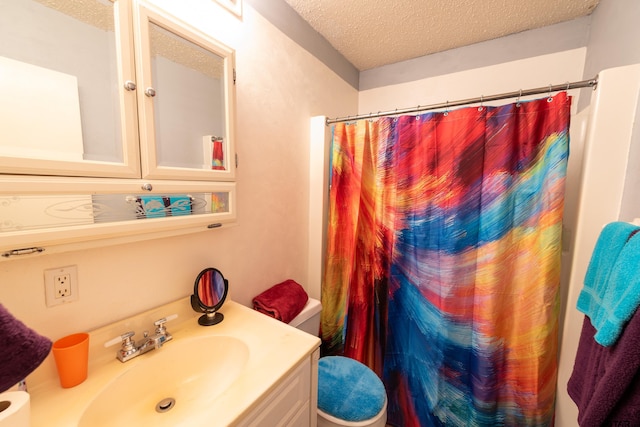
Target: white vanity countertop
column 275, row 349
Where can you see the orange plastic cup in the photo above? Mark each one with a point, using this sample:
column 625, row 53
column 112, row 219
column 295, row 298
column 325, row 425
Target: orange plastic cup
column 71, row 354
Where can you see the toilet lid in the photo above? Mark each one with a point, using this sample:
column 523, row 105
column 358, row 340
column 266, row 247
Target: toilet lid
column 348, row 389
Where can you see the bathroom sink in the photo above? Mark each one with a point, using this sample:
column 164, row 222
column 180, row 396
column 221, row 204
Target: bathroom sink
column 168, row 385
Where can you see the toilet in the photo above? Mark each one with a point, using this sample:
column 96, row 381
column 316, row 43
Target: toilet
column 308, row 319
column 337, row 374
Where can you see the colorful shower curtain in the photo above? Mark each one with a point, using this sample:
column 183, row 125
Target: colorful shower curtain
column 443, row 260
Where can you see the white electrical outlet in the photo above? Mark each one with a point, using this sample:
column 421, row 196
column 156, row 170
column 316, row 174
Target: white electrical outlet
column 61, row 285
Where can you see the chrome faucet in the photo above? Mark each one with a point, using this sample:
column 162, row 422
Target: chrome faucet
column 129, row 348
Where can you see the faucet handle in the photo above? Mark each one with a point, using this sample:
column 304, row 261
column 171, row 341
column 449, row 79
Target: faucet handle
column 160, row 328
column 165, row 319
column 124, row 339
column 127, row 348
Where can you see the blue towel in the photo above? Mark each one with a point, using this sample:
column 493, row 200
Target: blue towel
column 611, row 290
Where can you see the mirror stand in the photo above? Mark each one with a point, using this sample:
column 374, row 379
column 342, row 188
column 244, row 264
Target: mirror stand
column 209, row 292
column 210, row 318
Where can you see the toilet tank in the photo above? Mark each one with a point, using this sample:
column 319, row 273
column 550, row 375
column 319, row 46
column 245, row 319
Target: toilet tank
column 309, row 318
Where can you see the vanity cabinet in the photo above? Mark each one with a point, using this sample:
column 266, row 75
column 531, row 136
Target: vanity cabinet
column 293, row 401
column 118, row 122
column 255, row 371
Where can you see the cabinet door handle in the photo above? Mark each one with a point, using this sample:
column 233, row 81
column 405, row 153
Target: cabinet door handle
column 129, row 85
column 150, row 92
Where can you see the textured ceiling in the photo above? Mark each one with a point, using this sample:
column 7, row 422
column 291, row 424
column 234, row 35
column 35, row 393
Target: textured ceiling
column 96, row 13
column 372, row 33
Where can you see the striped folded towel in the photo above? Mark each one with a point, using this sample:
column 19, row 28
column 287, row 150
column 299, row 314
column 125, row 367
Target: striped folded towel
column 611, row 292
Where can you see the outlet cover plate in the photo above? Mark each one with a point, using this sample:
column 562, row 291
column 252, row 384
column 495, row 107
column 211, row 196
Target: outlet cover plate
column 52, row 285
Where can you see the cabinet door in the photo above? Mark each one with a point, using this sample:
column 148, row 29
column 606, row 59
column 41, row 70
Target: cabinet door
column 288, row 405
column 186, row 102
column 63, row 67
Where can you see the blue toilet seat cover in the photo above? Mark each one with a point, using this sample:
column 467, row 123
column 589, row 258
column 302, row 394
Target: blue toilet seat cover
column 348, row 389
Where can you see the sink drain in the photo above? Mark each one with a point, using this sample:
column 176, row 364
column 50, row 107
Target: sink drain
column 165, row 405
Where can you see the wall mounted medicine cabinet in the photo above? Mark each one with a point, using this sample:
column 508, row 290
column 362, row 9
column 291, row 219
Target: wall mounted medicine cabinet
column 115, row 89
column 108, row 103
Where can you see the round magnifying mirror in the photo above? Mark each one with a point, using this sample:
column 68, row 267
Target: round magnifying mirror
column 209, row 292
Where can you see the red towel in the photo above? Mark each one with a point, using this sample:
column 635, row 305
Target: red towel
column 605, row 383
column 283, row 301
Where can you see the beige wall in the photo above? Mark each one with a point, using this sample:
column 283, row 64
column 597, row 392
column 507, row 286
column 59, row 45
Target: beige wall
column 506, row 76
column 280, row 86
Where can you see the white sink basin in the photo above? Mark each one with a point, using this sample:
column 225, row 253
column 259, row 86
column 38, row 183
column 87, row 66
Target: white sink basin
column 168, row 385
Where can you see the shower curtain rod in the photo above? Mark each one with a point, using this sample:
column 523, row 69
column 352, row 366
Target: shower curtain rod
column 517, row 94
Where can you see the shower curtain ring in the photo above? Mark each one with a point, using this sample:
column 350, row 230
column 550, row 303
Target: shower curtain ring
column 518, row 100
column 446, row 109
column 550, row 98
column 481, row 107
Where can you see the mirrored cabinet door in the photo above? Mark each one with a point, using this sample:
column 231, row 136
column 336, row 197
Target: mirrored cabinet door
column 63, row 109
column 186, row 100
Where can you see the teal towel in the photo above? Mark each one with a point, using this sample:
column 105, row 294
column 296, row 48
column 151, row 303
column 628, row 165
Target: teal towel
column 153, row 206
column 180, row 205
column 611, row 290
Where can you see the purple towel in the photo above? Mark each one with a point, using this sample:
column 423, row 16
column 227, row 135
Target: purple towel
column 21, row 352
column 605, row 383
